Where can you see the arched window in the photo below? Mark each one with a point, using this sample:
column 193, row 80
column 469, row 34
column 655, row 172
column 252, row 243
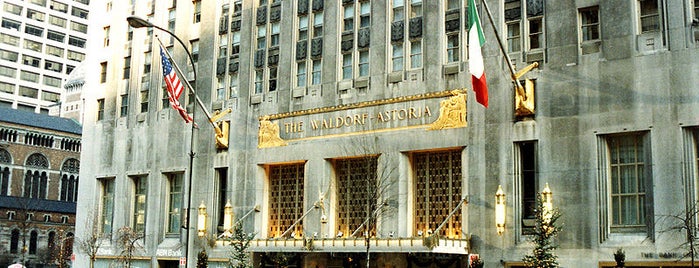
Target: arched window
column 69, row 180
column 36, row 181
column 14, row 242
column 5, row 161
column 51, row 243
column 33, row 237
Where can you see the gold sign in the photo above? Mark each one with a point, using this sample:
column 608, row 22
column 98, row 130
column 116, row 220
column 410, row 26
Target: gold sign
column 417, row 111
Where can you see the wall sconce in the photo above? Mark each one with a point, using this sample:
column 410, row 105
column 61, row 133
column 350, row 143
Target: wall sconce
column 500, row 210
column 547, row 203
column 227, row 219
column 201, row 220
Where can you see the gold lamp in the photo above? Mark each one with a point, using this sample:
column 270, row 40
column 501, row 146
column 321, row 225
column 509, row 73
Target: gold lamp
column 201, row 220
column 500, row 210
column 227, row 218
column 547, row 203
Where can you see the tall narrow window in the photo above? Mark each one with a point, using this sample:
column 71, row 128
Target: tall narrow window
column 301, row 74
column 317, row 71
column 107, row 206
column 174, row 202
column 453, row 29
column 69, row 180
column 355, row 203
column 33, row 237
column 127, row 68
column 628, row 181
column 140, row 191
column 649, row 15
column 5, row 161
column 437, row 192
column 222, row 185
column 100, row 109
column 286, row 185
column 103, row 72
column 14, row 241
column 526, row 170
column 144, row 101
column 197, row 11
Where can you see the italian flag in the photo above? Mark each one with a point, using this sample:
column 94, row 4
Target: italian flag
column 475, row 61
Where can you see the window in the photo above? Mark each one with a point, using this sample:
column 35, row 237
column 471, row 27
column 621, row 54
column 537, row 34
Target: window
column 103, row 72
column 11, row 24
column 352, row 201
column 32, row 45
column 76, row 41
column 69, row 180
column 172, row 15
column 9, row 55
column 437, row 192
column 38, row 2
column 301, row 74
column 453, row 24
column 58, row 6
column 52, row 81
column 79, row 27
column 56, row 36
column 53, row 66
column 28, row 92
column 234, row 85
column 5, row 161
column 105, row 30
column 286, row 185
column 397, row 58
column 147, row 62
column 7, row 88
column 453, row 48
column 36, row 177
column 317, row 24
column 197, row 12
column 259, row 81
column 127, row 68
column 696, row 9
column 532, row 12
column 364, row 63
column 272, row 79
column 174, row 202
column 100, row 109
column 9, row 39
column 222, row 198
column 8, row 71
column 347, row 66
column 50, row 96
column 76, row 56
column 107, row 206
column 144, row 101
column 628, row 181
column 35, row 15
column 527, row 184
column 416, row 54
column 140, row 191
column 355, row 41
column 317, row 71
column 34, row 30
column 649, row 15
column 57, row 21
column 124, row 110
column 12, row 8
column 33, row 237
column 14, row 241
column 79, row 12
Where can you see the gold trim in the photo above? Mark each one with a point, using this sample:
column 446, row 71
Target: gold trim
column 452, row 113
column 364, row 104
column 268, row 135
column 347, row 134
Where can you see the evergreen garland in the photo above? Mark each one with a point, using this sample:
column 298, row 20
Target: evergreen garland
column 202, row 259
column 543, row 255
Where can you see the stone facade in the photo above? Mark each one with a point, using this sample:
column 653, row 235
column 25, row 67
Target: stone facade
column 343, row 111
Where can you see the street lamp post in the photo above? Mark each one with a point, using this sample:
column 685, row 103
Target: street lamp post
column 137, row 22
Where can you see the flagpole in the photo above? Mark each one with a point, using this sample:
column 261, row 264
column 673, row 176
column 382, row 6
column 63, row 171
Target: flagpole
column 519, row 87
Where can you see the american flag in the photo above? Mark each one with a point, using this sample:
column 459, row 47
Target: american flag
column 174, row 86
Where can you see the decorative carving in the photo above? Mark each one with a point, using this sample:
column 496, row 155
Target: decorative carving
column 347, row 42
column 363, row 38
column 535, row 8
column 221, row 128
column 524, row 96
column 317, row 47
column 452, row 112
column 451, row 25
column 220, row 66
column 513, row 14
column 317, row 5
column 273, row 57
column 347, row 2
column 5, row 157
column 37, row 160
column 301, row 49
column 302, row 8
column 260, row 58
column 71, row 165
column 235, row 25
column 261, row 15
column 397, row 30
column 223, row 25
column 415, row 27
column 275, row 12
column 233, row 66
column 364, row 104
column 269, row 134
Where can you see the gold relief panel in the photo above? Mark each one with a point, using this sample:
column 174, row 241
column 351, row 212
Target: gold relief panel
column 430, row 111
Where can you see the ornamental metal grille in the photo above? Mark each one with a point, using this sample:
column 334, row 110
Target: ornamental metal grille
column 38, row 161
column 357, row 188
column 285, row 198
column 71, row 166
column 5, row 157
column 437, row 191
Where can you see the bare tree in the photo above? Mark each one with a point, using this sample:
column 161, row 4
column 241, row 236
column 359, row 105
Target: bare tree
column 127, row 240
column 685, row 222
column 375, row 174
column 91, row 242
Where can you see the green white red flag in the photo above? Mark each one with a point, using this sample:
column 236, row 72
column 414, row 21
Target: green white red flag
column 476, row 40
